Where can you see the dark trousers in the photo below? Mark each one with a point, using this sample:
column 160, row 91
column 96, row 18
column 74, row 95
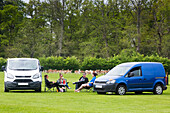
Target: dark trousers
column 56, row 85
column 78, row 84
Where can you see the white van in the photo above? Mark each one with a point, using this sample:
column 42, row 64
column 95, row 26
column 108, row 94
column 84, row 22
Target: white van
column 22, row 73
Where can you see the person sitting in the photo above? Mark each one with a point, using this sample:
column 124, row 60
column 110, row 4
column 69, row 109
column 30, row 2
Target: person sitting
column 89, row 84
column 60, row 81
column 81, row 81
column 51, row 84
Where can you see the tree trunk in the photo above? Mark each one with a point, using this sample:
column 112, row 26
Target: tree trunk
column 62, row 29
column 138, row 25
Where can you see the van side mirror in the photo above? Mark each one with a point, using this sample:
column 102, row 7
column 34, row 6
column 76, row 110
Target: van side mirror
column 3, row 68
column 42, row 68
column 131, row 74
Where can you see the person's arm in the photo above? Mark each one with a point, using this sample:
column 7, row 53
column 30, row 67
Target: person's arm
column 48, row 82
column 92, row 80
column 80, row 78
column 86, row 80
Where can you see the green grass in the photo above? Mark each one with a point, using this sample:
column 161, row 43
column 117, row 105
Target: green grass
column 32, row 102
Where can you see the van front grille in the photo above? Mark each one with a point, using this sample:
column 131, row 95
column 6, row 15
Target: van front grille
column 23, row 80
column 100, row 81
column 23, row 76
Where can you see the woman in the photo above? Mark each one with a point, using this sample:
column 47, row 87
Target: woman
column 89, row 84
column 61, row 81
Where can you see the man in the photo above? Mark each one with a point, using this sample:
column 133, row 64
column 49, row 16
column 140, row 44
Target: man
column 81, row 81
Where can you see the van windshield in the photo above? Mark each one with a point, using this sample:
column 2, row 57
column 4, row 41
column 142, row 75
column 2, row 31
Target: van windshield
column 118, row 71
column 22, row 64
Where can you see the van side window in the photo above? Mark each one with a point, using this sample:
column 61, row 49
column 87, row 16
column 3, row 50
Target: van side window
column 137, row 71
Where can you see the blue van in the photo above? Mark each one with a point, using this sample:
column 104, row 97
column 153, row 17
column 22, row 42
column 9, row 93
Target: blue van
column 135, row 77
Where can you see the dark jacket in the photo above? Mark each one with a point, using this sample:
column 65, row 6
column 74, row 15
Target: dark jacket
column 47, row 82
column 83, row 80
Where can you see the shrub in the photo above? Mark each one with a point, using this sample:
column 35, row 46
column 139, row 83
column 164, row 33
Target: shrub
column 2, row 62
column 71, row 63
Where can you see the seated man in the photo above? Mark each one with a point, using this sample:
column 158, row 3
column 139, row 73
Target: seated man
column 89, row 84
column 51, row 84
column 81, row 81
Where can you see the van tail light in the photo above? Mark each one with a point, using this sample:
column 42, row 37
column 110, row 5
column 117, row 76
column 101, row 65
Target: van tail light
column 166, row 80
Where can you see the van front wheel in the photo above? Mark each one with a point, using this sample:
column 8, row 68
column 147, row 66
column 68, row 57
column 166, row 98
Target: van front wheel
column 158, row 89
column 6, row 90
column 121, row 90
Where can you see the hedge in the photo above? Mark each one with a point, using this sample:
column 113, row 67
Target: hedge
column 93, row 63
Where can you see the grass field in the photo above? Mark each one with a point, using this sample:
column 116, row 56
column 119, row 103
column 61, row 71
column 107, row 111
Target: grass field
column 71, row 102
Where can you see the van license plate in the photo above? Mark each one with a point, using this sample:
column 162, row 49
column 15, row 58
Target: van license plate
column 25, row 84
column 98, row 86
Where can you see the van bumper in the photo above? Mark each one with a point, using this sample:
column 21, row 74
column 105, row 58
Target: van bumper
column 17, row 86
column 165, row 88
column 105, row 87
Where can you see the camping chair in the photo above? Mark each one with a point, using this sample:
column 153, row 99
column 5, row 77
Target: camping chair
column 48, row 87
column 62, row 84
column 88, row 89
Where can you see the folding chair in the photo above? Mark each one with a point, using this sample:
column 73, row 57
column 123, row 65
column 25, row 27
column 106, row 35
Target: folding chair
column 88, row 89
column 48, row 87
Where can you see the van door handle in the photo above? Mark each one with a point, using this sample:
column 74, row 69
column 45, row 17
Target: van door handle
column 144, row 78
column 140, row 79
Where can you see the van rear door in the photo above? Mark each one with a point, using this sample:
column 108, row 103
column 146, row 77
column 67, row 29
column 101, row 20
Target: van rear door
column 148, row 76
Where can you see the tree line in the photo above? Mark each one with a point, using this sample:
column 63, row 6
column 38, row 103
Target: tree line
column 82, row 28
column 93, row 63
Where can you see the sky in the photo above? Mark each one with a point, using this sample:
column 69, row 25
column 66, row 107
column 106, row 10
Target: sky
column 28, row 1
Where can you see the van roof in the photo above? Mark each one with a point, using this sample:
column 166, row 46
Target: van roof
column 135, row 63
column 22, row 59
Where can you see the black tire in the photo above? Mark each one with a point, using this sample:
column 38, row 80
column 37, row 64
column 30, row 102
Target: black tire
column 121, row 90
column 5, row 89
column 158, row 90
column 38, row 90
column 101, row 92
column 138, row 92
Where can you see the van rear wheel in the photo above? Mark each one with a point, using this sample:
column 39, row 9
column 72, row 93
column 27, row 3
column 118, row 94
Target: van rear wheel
column 121, row 90
column 158, row 90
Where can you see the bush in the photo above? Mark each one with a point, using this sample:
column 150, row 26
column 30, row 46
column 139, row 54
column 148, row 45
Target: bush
column 93, row 63
column 52, row 62
column 2, row 62
column 71, row 63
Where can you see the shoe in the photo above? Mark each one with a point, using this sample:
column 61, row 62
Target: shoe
column 69, row 87
column 74, row 83
column 77, row 91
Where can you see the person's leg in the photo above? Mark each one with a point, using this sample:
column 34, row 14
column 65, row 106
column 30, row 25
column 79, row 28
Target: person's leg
column 78, row 85
column 82, row 86
column 57, row 86
column 67, row 86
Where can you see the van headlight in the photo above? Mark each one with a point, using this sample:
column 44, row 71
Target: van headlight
column 36, row 76
column 111, row 81
column 10, row 76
